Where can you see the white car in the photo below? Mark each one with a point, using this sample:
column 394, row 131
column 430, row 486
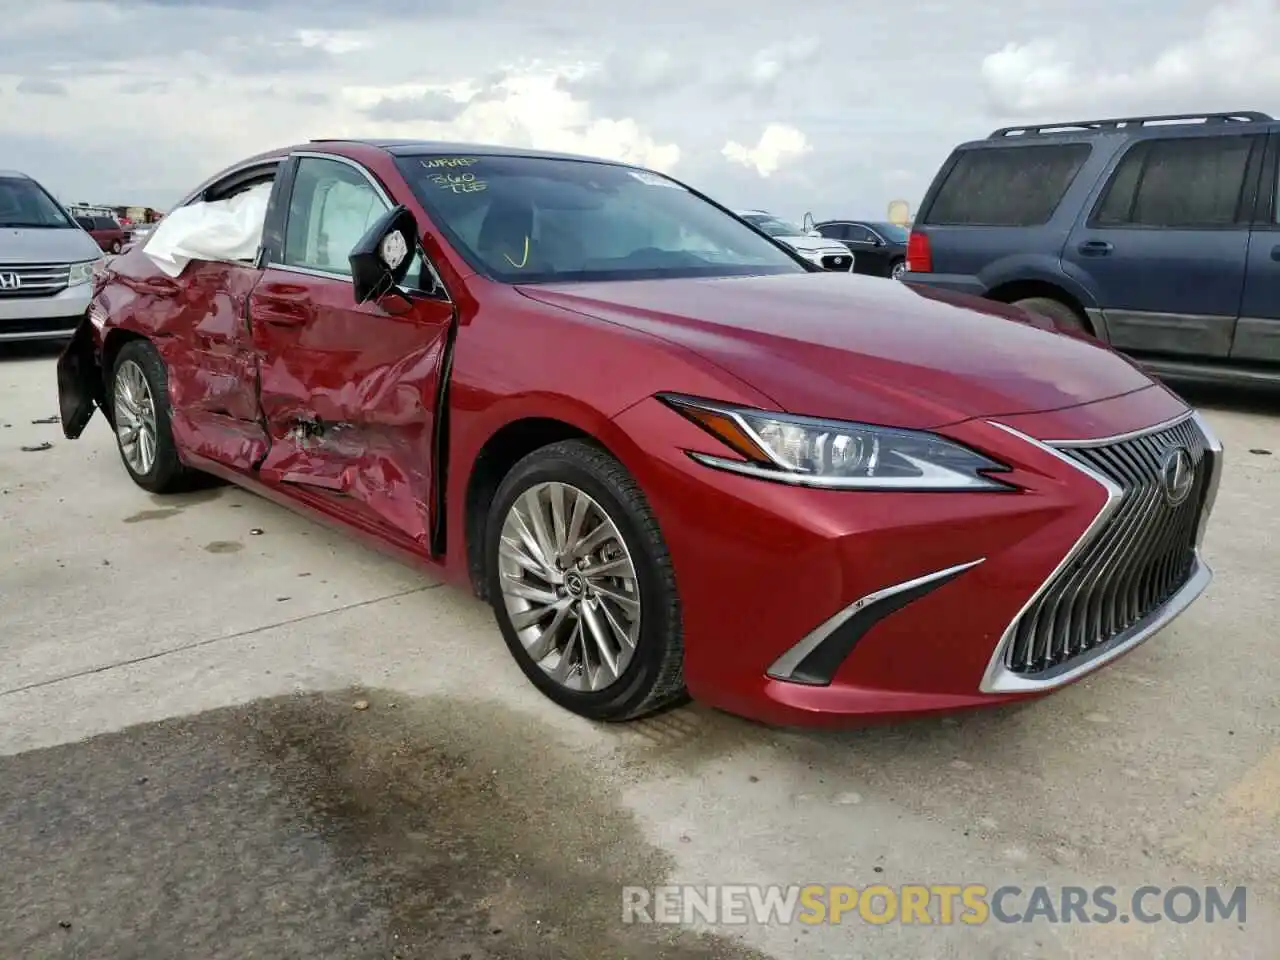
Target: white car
column 813, row 246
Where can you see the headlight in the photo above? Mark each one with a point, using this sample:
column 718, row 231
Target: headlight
column 834, row 454
column 83, row 272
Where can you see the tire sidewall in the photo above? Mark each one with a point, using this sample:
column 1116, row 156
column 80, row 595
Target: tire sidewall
column 655, row 602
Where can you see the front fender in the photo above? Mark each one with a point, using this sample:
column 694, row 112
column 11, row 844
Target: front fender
column 81, row 386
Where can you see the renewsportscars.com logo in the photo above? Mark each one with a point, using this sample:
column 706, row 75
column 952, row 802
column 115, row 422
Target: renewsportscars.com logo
column 940, row 904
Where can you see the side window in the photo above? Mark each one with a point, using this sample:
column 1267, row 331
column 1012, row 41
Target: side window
column 859, row 234
column 332, row 207
column 1116, row 206
column 86, row 223
column 834, row 231
column 1013, row 186
column 1193, row 182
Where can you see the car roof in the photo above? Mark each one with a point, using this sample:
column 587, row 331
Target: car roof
column 14, row 175
column 1123, row 128
column 401, row 148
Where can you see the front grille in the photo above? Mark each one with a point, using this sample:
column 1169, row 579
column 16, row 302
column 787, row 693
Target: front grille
column 33, row 279
column 1131, row 565
column 838, row 261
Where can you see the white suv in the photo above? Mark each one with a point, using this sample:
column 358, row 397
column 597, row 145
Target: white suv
column 813, row 246
column 46, row 263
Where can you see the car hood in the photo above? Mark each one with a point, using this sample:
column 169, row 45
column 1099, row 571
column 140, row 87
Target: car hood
column 46, row 245
column 862, row 348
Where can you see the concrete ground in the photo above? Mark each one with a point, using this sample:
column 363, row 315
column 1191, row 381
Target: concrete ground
column 184, row 772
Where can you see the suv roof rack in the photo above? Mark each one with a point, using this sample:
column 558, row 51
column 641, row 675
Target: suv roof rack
column 1116, row 123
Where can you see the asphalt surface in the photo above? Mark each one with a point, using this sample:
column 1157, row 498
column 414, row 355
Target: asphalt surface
column 185, row 770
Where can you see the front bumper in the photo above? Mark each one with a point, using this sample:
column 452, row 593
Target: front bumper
column 921, row 592
column 44, row 318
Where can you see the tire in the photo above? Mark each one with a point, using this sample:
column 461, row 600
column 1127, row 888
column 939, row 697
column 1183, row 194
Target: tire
column 1063, row 316
column 897, row 269
column 138, row 366
column 115, row 246
column 652, row 678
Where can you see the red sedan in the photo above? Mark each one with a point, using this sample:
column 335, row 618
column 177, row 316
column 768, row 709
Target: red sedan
column 674, row 457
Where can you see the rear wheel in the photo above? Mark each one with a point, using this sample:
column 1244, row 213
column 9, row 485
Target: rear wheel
column 140, row 408
column 582, row 585
column 116, row 246
column 1063, row 317
column 897, row 269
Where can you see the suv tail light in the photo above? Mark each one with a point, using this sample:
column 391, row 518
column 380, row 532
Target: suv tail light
column 919, row 256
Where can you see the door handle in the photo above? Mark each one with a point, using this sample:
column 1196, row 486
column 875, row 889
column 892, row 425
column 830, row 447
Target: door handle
column 280, row 309
column 281, row 319
column 1095, row 248
column 1275, row 253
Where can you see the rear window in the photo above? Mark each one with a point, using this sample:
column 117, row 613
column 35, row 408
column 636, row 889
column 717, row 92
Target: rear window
column 1007, row 187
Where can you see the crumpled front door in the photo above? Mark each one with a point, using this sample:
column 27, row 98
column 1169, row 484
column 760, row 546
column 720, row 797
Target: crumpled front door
column 349, row 396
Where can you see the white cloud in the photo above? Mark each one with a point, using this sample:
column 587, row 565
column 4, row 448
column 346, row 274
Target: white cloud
column 770, row 64
column 528, row 109
column 331, row 41
column 1231, row 63
column 778, row 143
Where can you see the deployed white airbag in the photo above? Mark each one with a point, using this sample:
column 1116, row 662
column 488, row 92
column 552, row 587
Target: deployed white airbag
column 220, row 230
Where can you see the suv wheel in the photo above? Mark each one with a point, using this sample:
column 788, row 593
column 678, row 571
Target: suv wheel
column 1063, row 317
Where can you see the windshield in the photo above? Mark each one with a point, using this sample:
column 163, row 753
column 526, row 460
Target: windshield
column 537, row 220
column 893, row 232
column 774, row 226
column 23, row 203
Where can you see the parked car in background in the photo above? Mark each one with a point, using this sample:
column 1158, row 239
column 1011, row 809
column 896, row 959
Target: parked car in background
column 46, row 263
column 110, row 235
column 808, row 243
column 1159, row 235
column 879, row 248
column 674, row 457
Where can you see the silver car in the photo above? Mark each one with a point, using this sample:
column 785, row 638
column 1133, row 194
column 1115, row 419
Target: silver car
column 46, row 263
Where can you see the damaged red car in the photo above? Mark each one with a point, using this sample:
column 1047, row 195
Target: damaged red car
column 676, row 458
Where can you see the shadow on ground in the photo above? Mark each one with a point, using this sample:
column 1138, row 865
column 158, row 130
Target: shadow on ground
column 304, row 827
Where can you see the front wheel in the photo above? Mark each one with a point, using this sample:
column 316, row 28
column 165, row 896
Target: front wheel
column 140, row 408
column 582, row 585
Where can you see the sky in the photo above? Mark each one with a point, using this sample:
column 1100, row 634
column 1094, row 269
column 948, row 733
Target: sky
column 836, row 107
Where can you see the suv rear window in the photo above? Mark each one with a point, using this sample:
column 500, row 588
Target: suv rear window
column 1015, row 186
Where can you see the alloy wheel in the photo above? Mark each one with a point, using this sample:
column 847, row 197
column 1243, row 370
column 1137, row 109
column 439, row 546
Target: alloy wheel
column 899, row 271
column 570, row 587
column 135, row 413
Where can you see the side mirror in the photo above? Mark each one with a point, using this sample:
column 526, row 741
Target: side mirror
column 381, row 259
column 808, row 223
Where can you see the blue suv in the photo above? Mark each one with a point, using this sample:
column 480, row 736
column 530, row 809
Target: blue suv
column 1158, row 235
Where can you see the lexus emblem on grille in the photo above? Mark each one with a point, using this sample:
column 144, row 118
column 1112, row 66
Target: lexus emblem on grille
column 1177, row 474
column 10, row 281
